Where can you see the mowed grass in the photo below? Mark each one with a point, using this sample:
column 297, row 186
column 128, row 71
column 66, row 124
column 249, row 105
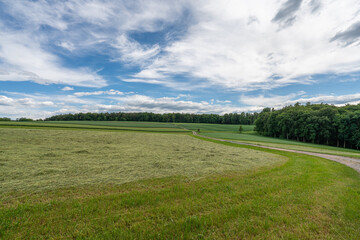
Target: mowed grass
column 303, row 198
column 36, row 160
column 96, row 125
column 132, row 124
column 224, row 131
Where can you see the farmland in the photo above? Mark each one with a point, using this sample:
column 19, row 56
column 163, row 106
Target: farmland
column 89, row 125
column 96, row 157
column 130, row 180
column 248, row 135
column 287, row 144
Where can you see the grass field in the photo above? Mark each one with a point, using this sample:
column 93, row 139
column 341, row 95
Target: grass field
column 85, row 184
column 96, row 125
column 57, row 159
column 251, row 137
column 118, row 124
column 224, row 131
column 206, row 127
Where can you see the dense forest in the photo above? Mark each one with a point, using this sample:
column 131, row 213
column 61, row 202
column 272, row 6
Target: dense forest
column 315, row 123
column 231, row 118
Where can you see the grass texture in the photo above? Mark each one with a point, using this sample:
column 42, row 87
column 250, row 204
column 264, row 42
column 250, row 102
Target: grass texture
column 36, row 160
column 304, row 198
column 283, row 143
column 133, row 124
column 224, row 131
column 89, row 125
column 207, row 127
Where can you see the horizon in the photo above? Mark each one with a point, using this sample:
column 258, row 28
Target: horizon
column 59, row 57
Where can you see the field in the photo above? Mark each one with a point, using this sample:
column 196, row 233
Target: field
column 57, row 159
column 103, row 181
column 206, row 127
column 89, row 125
column 212, row 130
column 248, row 135
column 252, row 137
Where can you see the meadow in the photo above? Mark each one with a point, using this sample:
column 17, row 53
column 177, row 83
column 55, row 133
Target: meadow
column 107, row 182
column 60, row 158
column 96, row 125
column 253, row 138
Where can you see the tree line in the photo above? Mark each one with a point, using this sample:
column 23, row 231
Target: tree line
column 229, row 118
column 315, row 123
column 5, row 119
column 22, row 119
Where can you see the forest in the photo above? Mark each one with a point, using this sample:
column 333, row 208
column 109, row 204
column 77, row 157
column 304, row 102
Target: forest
column 229, row 118
column 315, row 123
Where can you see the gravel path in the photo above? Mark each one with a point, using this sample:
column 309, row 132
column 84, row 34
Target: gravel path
column 351, row 162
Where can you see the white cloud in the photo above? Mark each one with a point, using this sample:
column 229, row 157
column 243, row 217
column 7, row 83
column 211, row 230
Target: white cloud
column 23, row 59
column 109, row 92
column 67, row 89
column 272, row 101
column 132, row 51
column 35, row 106
column 6, row 100
column 141, row 103
column 67, row 45
column 26, row 102
column 24, row 107
column 223, row 101
column 78, row 26
column 41, row 106
column 281, row 101
column 237, row 45
column 225, row 48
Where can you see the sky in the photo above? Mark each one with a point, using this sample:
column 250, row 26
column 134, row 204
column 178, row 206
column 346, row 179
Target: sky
column 204, row 56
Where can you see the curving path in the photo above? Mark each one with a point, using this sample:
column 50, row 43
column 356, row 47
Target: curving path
column 348, row 161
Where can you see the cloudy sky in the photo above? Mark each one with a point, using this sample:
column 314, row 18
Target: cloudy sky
column 204, row 56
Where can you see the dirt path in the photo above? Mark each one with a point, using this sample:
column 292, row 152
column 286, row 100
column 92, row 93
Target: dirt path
column 351, row 162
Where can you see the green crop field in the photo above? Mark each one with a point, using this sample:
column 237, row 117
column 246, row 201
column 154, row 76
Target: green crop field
column 99, row 180
column 206, row 127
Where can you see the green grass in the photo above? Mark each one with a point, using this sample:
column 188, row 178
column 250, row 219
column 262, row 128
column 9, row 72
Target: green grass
column 118, row 124
column 132, row 124
column 207, row 127
column 57, row 159
column 248, row 135
column 283, row 143
column 224, row 131
column 89, row 125
column 304, row 198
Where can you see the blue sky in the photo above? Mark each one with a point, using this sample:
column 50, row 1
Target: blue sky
column 201, row 56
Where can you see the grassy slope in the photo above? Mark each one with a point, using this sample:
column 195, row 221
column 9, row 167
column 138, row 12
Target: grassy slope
column 306, row 198
column 248, row 135
column 282, row 143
